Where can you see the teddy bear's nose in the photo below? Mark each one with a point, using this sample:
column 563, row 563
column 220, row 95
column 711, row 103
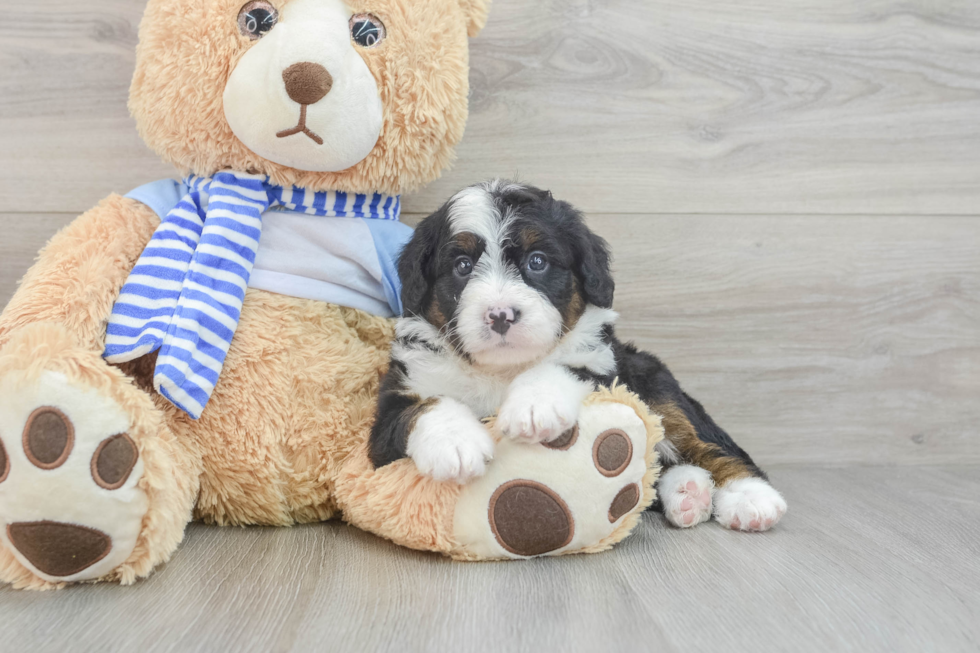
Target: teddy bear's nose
column 307, row 83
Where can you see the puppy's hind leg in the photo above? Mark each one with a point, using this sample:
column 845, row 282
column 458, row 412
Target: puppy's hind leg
column 685, row 494
column 739, row 494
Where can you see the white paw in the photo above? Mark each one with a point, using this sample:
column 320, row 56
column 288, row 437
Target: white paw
column 70, row 505
column 449, row 444
column 749, row 504
column 541, row 404
column 685, row 491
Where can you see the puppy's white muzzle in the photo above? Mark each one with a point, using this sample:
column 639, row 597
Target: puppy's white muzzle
column 501, row 321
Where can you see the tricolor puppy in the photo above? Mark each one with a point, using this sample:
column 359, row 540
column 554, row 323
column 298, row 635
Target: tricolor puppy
column 508, row 304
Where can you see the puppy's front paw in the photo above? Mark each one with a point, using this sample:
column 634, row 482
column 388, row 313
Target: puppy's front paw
column 538, row 413
column 449, row 444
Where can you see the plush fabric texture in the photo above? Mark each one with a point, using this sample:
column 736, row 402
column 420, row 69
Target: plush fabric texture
column 572, row 476
column 188, row 49
column 184, row 296
column 79, row 273
column 36, row 495
column 283, row 440
column 171, row 469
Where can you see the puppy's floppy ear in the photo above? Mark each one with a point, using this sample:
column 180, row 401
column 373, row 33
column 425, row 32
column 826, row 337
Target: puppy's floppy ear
column 416, row 261
column 592, row 258
column 476, row 15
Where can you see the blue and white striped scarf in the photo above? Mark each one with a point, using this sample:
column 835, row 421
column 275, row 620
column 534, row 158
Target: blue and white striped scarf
column 184, row 296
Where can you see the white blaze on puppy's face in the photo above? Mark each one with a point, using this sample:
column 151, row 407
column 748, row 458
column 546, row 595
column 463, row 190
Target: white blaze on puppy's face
column 495, row 286
column 333, row 93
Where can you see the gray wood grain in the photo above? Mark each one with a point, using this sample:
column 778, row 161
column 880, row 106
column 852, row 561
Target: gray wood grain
column 24, row 235
column 868, row 559
column 811, row 339
column 847, row 338
column 801, row 106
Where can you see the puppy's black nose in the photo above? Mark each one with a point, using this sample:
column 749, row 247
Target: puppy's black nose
column 500, row 319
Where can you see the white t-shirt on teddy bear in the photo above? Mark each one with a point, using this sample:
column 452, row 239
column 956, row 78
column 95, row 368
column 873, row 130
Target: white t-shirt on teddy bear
column 346, row 261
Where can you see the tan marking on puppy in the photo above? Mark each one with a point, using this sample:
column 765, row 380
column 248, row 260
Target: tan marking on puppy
column 435, row 315
column 573, row 310
column 528, row 238
column 467, row 242
column 681, row 433
column 421, row 406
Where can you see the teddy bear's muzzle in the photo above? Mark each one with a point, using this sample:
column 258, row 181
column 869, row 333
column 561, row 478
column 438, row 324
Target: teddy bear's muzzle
column 306, row 83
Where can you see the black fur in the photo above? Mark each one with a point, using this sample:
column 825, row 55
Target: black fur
column 651, row 380
column 415, row 263
column 396, row 415
column 578, row 273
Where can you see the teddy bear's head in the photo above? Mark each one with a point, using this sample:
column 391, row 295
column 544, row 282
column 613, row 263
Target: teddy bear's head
column 355, row 95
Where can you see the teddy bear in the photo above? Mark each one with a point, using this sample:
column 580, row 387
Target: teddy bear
column 211, row 348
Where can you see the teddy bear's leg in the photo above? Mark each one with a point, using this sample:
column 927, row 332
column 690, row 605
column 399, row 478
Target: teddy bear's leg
column 79, row 273
column 580, row 493
column 92, row 483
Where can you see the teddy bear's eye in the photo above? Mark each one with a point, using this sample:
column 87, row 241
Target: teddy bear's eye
column 256, row 18
column 366, row 30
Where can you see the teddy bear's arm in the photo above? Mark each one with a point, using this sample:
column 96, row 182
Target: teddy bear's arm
column 78, row 274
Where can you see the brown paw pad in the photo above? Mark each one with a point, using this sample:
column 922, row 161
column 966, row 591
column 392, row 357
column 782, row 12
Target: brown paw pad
column 58, row 549
column 564, row 441
column 4, row 463
column 48, row 438
column 529, row 518
column 612, row 452
column 113, row 461
column 624, row 501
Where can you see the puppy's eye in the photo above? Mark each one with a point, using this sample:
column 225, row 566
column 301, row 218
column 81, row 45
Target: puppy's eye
column 463, row 266
column 256, row 18
column 537, row 262
column 366, row 30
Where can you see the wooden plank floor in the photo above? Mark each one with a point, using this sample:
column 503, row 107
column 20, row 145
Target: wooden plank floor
column 868, row 559
column 792, row 193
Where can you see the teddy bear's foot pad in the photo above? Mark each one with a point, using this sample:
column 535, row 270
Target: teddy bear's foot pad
column 70, row 507
column 562, row 496
column 58, row 549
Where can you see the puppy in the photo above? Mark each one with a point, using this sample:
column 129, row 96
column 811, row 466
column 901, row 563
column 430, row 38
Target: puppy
column 507, row 301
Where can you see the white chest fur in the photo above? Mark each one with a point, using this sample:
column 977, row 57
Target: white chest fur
column 434, row 371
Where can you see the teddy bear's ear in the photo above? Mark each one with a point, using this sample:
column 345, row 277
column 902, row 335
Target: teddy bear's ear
column 476, row 15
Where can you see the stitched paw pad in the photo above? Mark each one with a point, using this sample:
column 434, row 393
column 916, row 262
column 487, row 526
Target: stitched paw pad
column 70, row 508
column 561, row 496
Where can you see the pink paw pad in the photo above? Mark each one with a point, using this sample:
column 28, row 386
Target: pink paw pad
column 695, row 502
column 749, row 505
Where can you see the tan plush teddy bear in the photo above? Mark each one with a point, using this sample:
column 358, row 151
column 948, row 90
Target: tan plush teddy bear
column 212, row 348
